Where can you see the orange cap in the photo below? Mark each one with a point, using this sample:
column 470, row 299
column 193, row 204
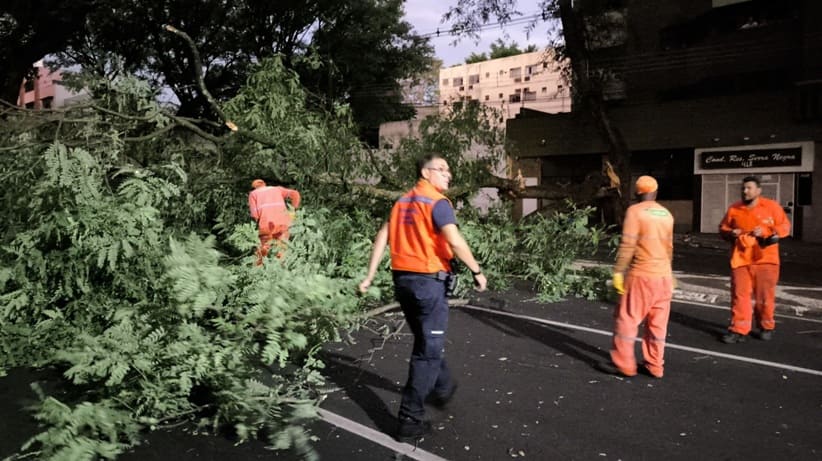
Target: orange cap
column 645, row 185
column 257, row 183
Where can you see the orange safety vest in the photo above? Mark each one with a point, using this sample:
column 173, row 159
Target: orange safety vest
column 647, row 241
column 415, row 244
column 766, row 214
column 267, row 206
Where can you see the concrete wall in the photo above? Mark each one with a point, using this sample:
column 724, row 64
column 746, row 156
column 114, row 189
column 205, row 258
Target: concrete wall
column 392, row 133
column 683, row 211
column 531, row 170
column 812, row 215
column 762, row 118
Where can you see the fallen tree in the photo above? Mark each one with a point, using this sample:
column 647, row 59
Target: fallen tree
column 127, row 250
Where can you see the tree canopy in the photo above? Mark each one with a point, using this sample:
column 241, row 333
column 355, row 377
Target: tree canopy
column 499, row 49
column 352, row 52
column 31, row 29
column 126, row 255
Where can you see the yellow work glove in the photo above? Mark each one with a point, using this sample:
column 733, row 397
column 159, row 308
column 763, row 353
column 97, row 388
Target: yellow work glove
column 618, row 280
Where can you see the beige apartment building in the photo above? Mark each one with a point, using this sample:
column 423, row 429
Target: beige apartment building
column 531, row 80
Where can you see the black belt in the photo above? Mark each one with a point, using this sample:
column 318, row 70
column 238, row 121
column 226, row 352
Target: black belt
column 441, row 275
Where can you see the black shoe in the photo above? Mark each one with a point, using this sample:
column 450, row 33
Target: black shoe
column 410, row 429
column 765, row 335
column 611, row 369
column 733, row 337
column 441, row 401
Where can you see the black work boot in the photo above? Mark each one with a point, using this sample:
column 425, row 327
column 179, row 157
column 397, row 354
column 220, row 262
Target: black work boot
column 765, row 335
column 732, row 337
column 411, row 429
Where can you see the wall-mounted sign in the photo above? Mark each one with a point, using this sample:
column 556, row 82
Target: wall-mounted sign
column 784, row 157
column 758, row 158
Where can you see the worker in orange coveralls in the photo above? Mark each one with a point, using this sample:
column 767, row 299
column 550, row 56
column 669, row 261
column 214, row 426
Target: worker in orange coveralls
column 267, row 206
column 754, row 226
column 643, row 277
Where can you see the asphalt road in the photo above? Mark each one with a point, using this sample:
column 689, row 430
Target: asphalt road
column 528, row 389
column 531, row 387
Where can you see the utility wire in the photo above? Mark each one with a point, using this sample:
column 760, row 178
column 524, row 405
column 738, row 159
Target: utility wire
column 455, row 31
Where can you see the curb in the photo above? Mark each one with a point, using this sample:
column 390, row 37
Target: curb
column 787, row 301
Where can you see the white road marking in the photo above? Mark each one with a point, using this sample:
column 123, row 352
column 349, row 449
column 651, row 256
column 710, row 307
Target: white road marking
column 727, row 308
column 571, row 326
column 696, row 292
column 377, row 437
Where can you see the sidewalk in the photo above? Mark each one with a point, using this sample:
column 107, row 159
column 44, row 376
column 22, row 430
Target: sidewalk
column 703, row 275
column 790, row 250
column 798, row 291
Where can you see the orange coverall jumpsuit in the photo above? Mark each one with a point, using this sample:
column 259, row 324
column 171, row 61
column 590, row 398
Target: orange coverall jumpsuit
column 267, row 207
column 753, row 268
column 645, row 252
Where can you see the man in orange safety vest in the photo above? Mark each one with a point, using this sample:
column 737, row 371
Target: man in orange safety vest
column 267, row 205
column 423, row 237
column 753, row 225
column 643, row 277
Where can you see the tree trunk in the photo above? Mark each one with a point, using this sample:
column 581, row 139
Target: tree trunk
column 12, row 78
column 590, row 95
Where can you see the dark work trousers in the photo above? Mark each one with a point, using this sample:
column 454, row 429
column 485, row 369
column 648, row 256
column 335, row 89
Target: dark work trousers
column 425, row 307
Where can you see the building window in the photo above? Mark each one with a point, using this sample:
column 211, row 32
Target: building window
column 529, row 95
column 472, row 79
column 445, row 82
column 531, row 70
column 487, row 74
column 487, row 97
column 457, row 81
column 544, row 89
column 501, row 95
column 514, row 97
column 515, row 72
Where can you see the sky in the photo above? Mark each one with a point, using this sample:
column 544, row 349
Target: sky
column 426, row 17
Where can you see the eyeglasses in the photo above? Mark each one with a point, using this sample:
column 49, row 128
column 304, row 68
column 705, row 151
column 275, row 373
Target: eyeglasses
column 441, row 170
